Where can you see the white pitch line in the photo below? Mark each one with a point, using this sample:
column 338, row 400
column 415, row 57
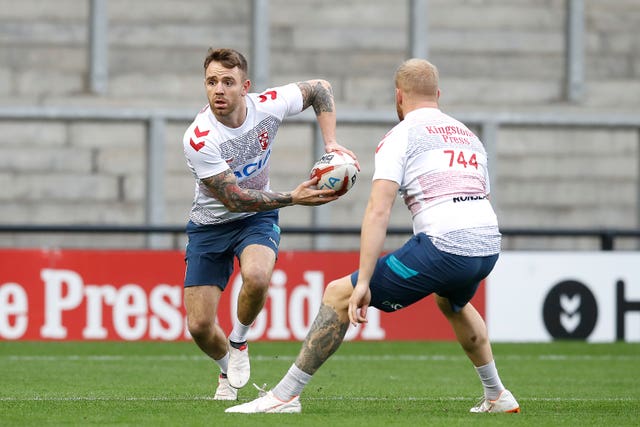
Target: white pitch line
column 347, row 358
column 328, row 398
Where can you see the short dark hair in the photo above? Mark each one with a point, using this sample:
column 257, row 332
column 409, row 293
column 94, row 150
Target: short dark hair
column 229, row 58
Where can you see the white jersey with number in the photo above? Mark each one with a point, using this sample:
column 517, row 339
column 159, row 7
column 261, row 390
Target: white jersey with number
column 441, row 167
column 211, row 148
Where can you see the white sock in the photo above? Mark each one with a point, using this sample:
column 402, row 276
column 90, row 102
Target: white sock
column 239, row 332
column 292, row 383
column 223, row 363
column 490, row 380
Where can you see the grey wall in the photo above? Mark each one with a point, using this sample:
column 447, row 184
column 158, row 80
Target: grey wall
column 493, row 55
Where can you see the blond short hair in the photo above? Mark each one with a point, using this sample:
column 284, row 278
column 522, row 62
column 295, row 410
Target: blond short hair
column 417, row 77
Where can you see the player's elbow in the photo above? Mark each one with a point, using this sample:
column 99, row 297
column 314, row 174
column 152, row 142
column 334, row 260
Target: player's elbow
column 230, row 204
column 235, row 207
column 378, row 212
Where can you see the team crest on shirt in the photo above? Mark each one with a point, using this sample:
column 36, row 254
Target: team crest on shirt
column 263, row 138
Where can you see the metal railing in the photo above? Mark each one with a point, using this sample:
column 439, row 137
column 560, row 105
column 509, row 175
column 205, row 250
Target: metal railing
column 606, row 237
column 417, row 35
column 488, row 122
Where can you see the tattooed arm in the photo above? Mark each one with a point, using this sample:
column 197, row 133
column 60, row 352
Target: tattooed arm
column 224, row 187
column 319, row 95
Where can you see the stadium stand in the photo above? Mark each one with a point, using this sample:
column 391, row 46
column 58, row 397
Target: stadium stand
column 561, row 122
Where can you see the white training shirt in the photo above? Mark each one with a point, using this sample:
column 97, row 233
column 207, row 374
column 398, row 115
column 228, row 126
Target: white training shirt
column 441, row 167
column 211, row 148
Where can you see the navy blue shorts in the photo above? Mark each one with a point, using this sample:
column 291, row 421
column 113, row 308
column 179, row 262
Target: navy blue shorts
column 419, row 269
column 211, row 248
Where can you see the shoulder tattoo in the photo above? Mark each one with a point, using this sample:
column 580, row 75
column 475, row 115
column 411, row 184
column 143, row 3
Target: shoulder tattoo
column 318, row 94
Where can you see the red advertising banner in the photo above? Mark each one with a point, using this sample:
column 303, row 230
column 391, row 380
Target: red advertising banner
column 137, row 295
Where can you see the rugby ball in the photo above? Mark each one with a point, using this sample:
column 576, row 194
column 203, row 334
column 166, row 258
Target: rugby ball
column 336, row 171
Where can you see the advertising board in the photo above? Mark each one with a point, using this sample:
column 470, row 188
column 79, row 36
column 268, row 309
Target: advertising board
column 137, row 295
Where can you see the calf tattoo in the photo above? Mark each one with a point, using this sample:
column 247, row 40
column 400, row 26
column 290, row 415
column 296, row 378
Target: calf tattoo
column 324, row 338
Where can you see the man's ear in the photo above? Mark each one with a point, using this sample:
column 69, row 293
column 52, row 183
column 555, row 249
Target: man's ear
column 398, row 96
column 245, row 87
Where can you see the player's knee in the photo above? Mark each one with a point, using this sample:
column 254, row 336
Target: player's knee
column 199, row 326
column 255, row 282
column 338, row 292
column 474, row 341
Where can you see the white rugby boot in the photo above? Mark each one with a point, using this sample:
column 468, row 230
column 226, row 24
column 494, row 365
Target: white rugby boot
column 239, row 369
column 504, row 403
column 268, row 403
column 224, row 390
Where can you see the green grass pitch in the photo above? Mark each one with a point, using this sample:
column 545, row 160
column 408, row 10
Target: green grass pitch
column 364, row 384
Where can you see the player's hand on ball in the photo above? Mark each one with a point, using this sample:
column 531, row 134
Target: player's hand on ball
column 307, row 194
column 337, row 147
column 336, row 170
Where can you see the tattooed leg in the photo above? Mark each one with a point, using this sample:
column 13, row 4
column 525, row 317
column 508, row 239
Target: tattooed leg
column 324, row 338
